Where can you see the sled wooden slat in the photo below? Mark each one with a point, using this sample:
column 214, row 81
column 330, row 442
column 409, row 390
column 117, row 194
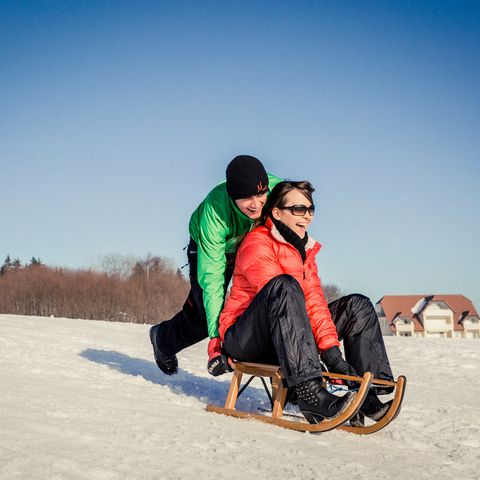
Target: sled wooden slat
column 233, row 391
column 262, row 369
column 375, row 381
column 279, row 395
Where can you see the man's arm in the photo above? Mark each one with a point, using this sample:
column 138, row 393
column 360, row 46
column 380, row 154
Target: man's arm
column 212, row 265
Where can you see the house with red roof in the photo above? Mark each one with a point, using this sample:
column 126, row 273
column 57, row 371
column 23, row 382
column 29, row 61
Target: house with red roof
column 449, row 316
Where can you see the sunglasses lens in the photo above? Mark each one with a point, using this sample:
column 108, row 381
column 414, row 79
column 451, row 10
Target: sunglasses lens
column 299, row 210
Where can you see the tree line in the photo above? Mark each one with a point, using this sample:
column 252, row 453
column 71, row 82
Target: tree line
column 120, row 289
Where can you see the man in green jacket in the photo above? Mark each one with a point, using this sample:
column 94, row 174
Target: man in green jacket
column 216, row 229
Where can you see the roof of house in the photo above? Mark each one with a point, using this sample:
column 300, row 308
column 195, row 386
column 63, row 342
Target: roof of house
column 402, row 305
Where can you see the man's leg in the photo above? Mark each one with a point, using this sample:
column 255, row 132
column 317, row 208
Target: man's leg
column 357, row 325
column 189, row 326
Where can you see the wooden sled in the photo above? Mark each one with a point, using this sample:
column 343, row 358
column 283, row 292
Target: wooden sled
column 279, row 392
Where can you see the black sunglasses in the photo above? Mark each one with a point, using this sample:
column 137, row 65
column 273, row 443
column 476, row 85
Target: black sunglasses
column 299, row 210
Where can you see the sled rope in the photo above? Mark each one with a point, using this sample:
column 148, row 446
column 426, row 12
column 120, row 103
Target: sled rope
column 340, row 388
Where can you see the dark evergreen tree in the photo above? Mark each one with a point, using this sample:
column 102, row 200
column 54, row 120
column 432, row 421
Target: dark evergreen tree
column 36, row 261
column 7, row 265
column 138, row 269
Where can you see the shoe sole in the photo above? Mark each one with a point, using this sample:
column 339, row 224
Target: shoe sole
column 166, row 371
column 381, row 413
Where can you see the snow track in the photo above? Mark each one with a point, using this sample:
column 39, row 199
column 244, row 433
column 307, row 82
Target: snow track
column 84, row 400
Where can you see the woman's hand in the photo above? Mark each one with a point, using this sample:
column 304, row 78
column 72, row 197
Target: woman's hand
column 335, row 363
column 217, row 361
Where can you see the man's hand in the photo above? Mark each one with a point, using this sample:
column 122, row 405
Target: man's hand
column 217, row 360
column 335, row 363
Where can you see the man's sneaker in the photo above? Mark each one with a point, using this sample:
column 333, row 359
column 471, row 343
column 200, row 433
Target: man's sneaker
column 168, row 364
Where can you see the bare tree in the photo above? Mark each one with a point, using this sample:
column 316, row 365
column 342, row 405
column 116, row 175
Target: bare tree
column 116, row 265
column 332, row 292
column 152, row 294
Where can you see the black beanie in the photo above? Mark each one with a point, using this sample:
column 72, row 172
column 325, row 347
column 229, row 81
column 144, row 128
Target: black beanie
column 246, row 177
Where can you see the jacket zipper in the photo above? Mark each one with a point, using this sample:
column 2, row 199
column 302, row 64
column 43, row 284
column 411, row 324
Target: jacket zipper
column 298, row 253
column 303, row 263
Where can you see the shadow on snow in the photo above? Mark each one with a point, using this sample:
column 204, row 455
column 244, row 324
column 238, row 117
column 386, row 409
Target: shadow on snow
column 207, row 390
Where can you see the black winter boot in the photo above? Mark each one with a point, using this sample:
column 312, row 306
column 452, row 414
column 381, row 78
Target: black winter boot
column 168, row 364
column 316, row 403
column 372, row 408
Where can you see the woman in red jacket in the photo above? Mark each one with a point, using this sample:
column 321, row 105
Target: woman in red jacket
column 277, row 313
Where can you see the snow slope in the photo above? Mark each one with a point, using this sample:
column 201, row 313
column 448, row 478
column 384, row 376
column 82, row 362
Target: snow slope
column 84, row 400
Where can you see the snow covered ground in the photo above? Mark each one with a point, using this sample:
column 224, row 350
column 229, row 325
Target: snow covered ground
column 84, row 400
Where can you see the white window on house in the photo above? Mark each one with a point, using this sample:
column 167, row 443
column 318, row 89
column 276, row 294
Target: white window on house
column 441, row 304
column 436, row 317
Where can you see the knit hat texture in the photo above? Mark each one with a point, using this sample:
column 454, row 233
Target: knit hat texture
column 246, row 177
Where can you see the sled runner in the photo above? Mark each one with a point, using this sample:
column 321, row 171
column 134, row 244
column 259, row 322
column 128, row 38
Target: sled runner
column 392, row 412
column 279, row 392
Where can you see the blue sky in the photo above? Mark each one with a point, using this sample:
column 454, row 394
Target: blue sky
column 116, row 118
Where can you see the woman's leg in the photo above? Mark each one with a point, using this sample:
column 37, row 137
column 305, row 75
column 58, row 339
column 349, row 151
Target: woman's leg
column 275, row 328
column 357, row 325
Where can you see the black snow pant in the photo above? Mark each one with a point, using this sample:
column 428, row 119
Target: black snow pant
column 357, row 325
column 189, row 326
column 275, row 329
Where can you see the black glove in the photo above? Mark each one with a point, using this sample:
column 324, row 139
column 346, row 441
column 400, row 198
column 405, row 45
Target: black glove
column 217, row 360
column 333, row 360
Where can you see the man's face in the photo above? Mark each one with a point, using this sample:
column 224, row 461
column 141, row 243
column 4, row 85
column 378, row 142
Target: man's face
column 252, row 206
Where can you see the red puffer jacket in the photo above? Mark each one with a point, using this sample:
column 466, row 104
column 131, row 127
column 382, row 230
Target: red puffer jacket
column 263, row 255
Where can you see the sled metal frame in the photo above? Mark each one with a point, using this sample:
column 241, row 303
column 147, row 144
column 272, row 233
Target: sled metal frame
column 279, row 392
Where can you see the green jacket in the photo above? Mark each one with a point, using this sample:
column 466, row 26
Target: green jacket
column 218, row 227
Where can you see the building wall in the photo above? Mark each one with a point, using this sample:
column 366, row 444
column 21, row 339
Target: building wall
column 384, row 327
column 471, row 325
column 403, row 328
column 437, row 322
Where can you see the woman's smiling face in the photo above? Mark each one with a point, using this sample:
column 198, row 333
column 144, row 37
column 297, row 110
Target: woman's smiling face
column 298, row 224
